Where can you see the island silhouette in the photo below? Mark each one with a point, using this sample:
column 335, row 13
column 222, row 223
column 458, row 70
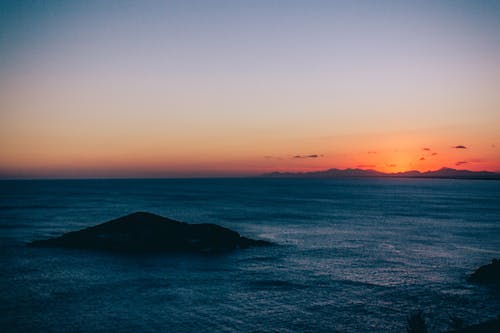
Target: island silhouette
column 446, row 173
column 487, row 274
column 146, row 232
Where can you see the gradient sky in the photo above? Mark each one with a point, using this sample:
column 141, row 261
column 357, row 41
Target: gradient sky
column 211, row 88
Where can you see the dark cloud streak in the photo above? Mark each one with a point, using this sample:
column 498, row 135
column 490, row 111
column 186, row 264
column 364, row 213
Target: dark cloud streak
column 308, row 156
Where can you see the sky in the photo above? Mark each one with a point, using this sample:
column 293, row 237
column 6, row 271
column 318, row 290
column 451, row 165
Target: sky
column 233, row 88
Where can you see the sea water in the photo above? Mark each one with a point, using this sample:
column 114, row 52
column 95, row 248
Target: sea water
column 352, row 255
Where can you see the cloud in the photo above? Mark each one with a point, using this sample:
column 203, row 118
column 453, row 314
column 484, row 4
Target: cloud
column 461, row 163
column 366, row 166
column 434, row 154
column 460, row 147
column 391, row 165
column 422, row 159
column 308, row 156
column 426, row 149
column 371, row 152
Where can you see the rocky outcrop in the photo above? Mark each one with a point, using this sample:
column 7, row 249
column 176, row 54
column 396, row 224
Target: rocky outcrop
column 146, row 232
column 487, row 274
column 490, row 326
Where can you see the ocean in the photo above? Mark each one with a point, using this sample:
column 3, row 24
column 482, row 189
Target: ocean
column 352, row 255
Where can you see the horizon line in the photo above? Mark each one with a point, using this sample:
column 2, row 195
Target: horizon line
column 233, row 176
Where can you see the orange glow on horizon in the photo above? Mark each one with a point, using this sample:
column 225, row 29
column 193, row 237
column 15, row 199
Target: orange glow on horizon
column 243, row 156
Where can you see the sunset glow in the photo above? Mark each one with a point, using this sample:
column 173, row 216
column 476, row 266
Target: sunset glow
column 228, row 88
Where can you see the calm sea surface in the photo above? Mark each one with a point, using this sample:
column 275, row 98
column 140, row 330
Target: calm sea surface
column 354, row 255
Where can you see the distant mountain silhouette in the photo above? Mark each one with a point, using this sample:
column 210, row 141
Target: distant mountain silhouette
column 360, row 173
column 146, row 232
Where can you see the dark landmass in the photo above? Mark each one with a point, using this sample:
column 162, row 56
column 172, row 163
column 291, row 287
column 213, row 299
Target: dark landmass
column 416, row 324
column 446, row 173
column 490, row 326
column 487, row 274
column 146, row 232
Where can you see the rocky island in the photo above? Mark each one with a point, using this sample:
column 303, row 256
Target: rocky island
column 146, row 232
column 487, row 274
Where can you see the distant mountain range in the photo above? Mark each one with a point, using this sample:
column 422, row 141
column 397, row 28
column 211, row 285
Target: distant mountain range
column 359, row 173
